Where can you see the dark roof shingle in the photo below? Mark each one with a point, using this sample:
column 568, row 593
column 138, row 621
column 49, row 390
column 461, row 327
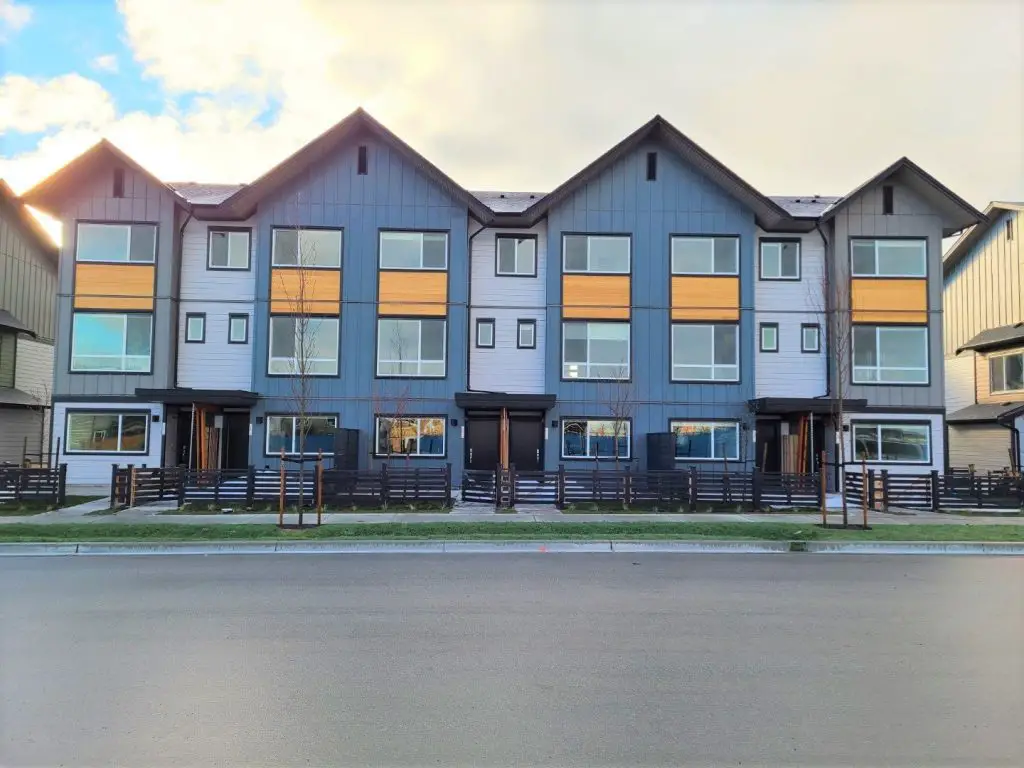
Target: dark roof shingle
column 996, row 337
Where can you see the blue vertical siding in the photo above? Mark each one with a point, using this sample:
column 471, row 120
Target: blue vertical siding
column 680, row 201
column 394, row 194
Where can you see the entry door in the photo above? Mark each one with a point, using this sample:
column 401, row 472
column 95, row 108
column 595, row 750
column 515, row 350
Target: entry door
column 236, row 440
column 768, row 458
column 482, row 443
column 526, row 444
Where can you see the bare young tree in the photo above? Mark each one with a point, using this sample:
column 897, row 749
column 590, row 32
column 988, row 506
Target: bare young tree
column 619, row 397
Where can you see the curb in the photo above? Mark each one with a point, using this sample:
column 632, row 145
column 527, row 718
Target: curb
column 511, row 546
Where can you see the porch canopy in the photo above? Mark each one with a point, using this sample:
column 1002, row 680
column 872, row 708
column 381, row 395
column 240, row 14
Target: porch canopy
column 783, row 405
column 497, row 400
column 239, row 398
column 980, row 413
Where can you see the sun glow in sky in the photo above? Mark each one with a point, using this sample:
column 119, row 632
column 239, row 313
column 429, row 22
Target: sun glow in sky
column 798, row 97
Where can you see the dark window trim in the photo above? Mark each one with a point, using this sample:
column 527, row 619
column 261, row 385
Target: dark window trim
column 871, row 239
column 318, row 228
column 266, row 429
column 884, row 423
column 152, row 341
column 760, row 337
column 627, row 235
column 266, row 360
column 561, row 351
column 803, row 347
column 243, row 316
column 499, row 236
column 1001, row 355
column 780, row 240
column 417, row 230
column 210, row 231
column 413, row 456
column 561, row 438
column 927, row 346
column 156, row 244
column 706, row 236
column 739, row 439
column 520, row 323
column 149, row 430
column 376, row 347
column 480, row 322
column 715, row 382
column 190, row 316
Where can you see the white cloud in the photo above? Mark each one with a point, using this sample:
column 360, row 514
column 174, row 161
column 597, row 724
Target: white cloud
column 105, row 63
column 28, row 105
column 13, row 18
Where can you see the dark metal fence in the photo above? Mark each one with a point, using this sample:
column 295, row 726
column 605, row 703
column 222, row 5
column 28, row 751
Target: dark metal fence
column 954, row 489
column 33, row 483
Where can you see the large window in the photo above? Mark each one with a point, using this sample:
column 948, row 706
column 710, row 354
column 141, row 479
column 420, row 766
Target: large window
column 295, row 434
column 116, row 243
column 106, row 432
column 517, row 256
column 600, row 254
column 593, row 350
column 890, row 354
column 111, row 343
column 411, row 347
column 1006, row 372
column 889, row 258
column 410, row 436
column 705, row 255
column 303, row 345
column 595, row 439
column 900, row 443
column 229, row 249
column 707, row 440
column 780, row 260
column 314, row 248
column 414, row 250
column 705, row 352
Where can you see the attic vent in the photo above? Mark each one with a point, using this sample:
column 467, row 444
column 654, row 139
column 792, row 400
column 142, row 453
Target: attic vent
column 533, row 197
column 798, row 200
column 1018, row 325
column 119, row 182
column 361, row 161
column 887, row 200
column 1009, row 229
column 502, row 195
column 652, row 166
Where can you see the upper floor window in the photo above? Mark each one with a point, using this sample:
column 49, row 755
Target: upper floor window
column 303, row 346
column 592, row 350
column 705, row 352
column 598, row 254
column 110, row 342
column 890, row 354
column 517, row 256
column 1006, row 372
column 414, row 250
column 780, row 260
column 116, row 243
column 229, row 249
column 889, row 258
column 314, row 248
column 705, row 255
column 411, row 347
column 106, row 431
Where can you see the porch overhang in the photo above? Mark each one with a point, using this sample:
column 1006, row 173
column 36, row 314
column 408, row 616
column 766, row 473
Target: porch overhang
column 497, row 400
column 186, row 396
column 782, row 405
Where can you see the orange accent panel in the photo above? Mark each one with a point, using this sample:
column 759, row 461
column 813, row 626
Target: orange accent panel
column 889, row 301
column 305, row 291
column 596, row 297
column 413, row 293
column 705, row 298
column 114, row 286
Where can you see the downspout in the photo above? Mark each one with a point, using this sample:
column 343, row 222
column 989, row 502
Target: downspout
column 469, row 303
column 177, row 315
column 828, row 306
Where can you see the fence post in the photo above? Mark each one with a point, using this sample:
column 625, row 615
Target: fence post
column 864, row 493
column 319, row 487
column 726, row 488
column 217, row 477
column 885, row 490
column 935, row 490
column 113, row 485
column 627, row 487
column 692, row 489
column 182, row 483
column 250, row 487
column 161, row 476
column 62, row 483
column 131, row 485
column 869, row 489
column 498, row 478
column 448, row 484
column 595, row 486
column 512, row 485
column 755, row 490
column 560, row 487
column 281, row 496
column 383, row 485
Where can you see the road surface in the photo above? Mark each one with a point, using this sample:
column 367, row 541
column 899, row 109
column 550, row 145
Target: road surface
column 512, row 659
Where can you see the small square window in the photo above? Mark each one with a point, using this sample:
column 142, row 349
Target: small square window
column 195, row 328
column 810, row 338
column 769, row 337
column 526, row 334
column 485, row 333
column 238, row 329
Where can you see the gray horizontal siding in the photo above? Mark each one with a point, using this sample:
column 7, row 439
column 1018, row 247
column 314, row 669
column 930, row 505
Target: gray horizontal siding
column 986, row 446
column 21, row 430
column 28, row 278
column 960, row 390
column 34, row 372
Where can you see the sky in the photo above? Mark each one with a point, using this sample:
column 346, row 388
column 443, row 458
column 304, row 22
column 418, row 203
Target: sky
column 796, row 96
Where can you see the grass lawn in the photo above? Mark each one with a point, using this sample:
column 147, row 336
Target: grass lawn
column 504, row 530
column 267, row 508
column 35, row 506
column 617, row 507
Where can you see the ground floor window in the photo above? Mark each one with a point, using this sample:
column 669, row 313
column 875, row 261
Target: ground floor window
column 595, row 439
column 410, row 436
column 294, row 434
column 707, row 440
column 899, row 443
column 106, row 432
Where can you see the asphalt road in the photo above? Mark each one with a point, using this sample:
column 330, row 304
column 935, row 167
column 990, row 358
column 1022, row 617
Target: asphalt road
column 512, row 660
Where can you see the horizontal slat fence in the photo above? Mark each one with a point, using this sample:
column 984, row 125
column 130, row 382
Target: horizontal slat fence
column 33, row 483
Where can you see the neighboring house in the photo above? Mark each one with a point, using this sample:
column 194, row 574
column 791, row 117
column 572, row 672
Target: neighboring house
column 983, row 300
column 28, row 295
column 653, row 293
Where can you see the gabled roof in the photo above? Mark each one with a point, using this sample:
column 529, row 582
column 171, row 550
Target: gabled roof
column 243, row 202
column 992, row 338
column 957, row 212
column 29, row 223
column 959, row 250
column 768, row 213
column 508, row 202
column 47, row 193
column 805, row 206
column 198, row 193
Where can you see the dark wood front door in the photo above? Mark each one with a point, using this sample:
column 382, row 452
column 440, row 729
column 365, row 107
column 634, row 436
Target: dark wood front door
column 768, row 445
column 526, row 444
column 482, row 443
column 236, row 440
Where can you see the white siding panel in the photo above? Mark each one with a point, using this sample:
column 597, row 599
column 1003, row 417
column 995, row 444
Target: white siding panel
column 986, row 446
column 202, row 284
column 505, row 368
column 34, row 368
column 791, row 303
column 936, row 420
column 214, row 364
column 93, row 469
column 960, row 381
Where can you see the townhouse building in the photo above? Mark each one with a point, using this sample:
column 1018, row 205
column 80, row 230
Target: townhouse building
column 983, row 295
column 652, row 310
